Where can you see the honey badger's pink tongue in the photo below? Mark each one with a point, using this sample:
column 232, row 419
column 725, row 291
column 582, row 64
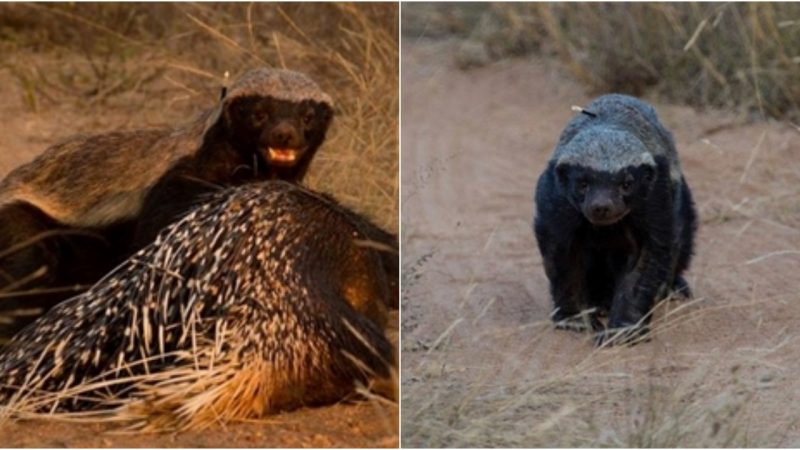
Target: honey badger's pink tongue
column 282, row 156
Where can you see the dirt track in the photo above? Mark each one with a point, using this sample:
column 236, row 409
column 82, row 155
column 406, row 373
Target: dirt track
column 482, row 365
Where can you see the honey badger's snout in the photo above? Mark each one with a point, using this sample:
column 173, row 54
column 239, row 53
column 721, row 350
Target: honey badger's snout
column 284, row 135
column 285, row 144
column 603, row 207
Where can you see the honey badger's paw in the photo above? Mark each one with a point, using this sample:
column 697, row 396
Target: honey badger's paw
column 681, row 288
column 580, row 322
column 629, row 335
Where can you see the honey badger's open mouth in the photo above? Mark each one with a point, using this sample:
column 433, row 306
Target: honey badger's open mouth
column 282, row 156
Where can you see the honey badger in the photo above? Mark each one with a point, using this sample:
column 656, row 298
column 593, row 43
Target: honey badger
column 84, row 205
column 615, row 220
column 265, row 297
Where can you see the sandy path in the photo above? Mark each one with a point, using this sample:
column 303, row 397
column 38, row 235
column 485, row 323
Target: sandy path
column 482, row 366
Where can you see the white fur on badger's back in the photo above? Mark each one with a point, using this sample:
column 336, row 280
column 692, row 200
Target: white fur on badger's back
column 615, row 131
column 97, row 180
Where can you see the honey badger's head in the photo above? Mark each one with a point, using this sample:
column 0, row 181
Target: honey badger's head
column 605, row 173
column 281, row 132
column 279, row 117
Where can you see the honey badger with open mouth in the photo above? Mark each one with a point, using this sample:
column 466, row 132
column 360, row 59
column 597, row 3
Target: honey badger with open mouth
column 615, row 220
column 84, row 205
column 286, row 127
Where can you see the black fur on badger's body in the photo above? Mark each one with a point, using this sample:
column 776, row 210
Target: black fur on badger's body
column 615, row 220
column 84, row 205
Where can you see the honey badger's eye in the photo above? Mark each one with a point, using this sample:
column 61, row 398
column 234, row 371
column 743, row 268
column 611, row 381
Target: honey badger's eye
column 308, row 117
column 626, row 185
column 259, row 116
column 583, row 185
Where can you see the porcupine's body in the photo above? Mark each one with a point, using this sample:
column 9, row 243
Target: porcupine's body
column 84, row 205
column 265, row 298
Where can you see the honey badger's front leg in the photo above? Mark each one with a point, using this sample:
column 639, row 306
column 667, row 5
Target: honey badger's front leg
column 638, row 290
column 556, row 227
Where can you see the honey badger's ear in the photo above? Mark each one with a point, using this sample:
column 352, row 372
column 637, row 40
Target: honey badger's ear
column 333, row 109
column 327, row 112
column 649, row 172
column 233, row 109
column 229, row 111
column 562, row 172
column 238, row 111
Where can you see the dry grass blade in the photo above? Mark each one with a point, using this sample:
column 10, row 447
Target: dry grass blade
column 225, row 39
column 695, row 35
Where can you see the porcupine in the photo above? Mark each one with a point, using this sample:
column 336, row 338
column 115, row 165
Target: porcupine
column 264, row 298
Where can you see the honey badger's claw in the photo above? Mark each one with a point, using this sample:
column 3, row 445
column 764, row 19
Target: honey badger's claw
column 580, row 322
column 682, row 288
column 631, row 335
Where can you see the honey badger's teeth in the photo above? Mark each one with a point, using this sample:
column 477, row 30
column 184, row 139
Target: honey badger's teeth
column 282, row 155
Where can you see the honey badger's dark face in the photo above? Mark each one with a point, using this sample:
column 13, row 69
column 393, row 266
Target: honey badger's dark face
column 603, row 197
column 281, row 133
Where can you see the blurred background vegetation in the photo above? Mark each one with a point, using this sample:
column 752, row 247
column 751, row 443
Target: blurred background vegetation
column 726, row 55
column 130, row 65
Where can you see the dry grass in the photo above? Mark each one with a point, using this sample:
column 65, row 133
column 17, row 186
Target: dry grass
column 597, row 402
column 160, row 63
column 742, row 55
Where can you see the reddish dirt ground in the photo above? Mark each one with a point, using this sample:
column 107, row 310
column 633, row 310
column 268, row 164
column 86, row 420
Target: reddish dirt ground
column 481, row 363
column 346, row 425
column 356, row 424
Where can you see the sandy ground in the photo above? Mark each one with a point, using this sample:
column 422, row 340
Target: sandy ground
column 27, row 133
column 359, row 424
column 481, row 363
